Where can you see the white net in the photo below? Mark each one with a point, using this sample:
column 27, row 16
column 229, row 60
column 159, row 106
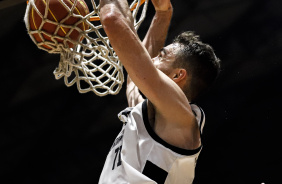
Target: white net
column 86, row 56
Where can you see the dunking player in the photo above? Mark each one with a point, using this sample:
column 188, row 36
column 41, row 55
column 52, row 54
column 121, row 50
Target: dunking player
column 161, row 136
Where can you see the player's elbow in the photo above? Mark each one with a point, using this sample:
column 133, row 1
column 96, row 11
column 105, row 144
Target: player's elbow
column 109, row 17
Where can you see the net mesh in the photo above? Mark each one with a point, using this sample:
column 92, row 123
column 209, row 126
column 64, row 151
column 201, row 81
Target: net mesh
column 91, row 63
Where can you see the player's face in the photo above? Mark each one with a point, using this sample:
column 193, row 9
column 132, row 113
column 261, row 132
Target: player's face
column 164, row 61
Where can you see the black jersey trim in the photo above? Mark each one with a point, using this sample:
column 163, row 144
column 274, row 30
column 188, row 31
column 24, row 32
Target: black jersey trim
column 161, row 141
column 154, row 172
column 202, row 119
column 126, row 113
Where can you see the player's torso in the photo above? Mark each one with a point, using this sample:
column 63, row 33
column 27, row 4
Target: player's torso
column 138, row 155
column 179, row 134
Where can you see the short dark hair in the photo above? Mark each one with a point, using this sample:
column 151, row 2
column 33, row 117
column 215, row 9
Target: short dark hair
column 200, row 62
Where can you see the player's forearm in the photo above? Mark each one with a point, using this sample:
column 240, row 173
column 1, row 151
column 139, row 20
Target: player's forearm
column 157, row 33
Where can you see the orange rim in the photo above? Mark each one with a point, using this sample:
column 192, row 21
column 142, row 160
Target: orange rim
column 97, row 18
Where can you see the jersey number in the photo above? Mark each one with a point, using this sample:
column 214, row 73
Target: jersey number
column 117, row 154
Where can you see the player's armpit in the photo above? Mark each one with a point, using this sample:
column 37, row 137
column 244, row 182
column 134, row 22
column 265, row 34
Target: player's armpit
column 132, row 93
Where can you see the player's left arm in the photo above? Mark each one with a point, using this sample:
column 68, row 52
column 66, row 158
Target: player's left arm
column 156, row 35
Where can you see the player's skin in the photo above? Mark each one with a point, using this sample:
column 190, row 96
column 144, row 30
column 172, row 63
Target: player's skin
column 169, row 111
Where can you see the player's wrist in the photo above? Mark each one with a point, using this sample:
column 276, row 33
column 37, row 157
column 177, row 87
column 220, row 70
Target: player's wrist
column 168, row 9
column 163, row 15
column 166, row 12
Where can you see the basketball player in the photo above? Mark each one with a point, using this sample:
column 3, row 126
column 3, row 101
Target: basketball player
column 161, row 136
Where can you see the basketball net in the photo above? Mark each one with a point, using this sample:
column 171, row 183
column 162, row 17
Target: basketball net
column 92, row 63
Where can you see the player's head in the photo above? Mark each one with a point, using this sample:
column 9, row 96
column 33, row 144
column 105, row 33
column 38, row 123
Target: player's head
column 200, row 62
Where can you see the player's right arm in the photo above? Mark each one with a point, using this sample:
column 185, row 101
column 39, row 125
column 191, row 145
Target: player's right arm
column 176, row 120
column 153, row 42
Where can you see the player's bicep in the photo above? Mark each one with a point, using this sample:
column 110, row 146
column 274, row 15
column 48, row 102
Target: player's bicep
column 170, row 99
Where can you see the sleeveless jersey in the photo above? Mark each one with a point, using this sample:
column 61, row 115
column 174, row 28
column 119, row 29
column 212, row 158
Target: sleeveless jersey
column 139, row 156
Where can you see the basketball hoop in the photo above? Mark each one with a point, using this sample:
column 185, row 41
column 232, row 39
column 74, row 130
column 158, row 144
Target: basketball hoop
column 89, row 61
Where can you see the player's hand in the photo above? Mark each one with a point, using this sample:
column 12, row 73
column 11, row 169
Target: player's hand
column 162, row 5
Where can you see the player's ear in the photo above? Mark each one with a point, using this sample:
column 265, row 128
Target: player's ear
column 179, row 75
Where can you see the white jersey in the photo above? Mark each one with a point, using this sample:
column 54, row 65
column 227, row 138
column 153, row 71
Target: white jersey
column 139, row 156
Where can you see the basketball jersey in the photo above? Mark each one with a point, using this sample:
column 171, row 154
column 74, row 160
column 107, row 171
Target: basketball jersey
column 139, row 156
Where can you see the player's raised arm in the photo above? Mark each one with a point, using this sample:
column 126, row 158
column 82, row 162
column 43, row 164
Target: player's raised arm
column 162, row 88
column 153, row 41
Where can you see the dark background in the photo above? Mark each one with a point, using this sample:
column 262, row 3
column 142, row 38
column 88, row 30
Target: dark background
column 53, row 134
